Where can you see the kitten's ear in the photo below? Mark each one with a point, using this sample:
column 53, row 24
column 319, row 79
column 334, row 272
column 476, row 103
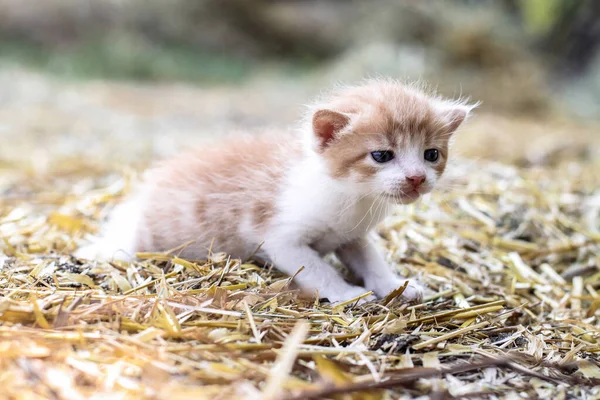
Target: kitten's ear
column 327, row 124
column 455, row 114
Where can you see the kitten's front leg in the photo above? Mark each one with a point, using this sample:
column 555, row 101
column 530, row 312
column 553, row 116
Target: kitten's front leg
column 317, row 275
column 362, row 257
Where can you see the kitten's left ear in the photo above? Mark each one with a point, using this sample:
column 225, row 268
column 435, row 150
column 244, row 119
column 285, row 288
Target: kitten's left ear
column 455, row 114
column 327, row 124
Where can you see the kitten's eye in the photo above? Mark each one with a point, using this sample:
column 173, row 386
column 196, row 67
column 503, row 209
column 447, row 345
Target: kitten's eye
column 431, row 155
column 382, row 156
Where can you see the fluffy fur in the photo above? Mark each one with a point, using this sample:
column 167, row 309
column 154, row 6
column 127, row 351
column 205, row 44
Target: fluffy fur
column 299, row 195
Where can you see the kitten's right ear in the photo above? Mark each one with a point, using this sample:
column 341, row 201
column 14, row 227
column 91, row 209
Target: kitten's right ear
column 327, row 124
column 455, row 114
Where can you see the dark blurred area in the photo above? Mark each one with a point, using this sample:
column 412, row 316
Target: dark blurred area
column 518, row 56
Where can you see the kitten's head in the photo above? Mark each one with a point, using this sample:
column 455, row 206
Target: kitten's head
column 384, row 138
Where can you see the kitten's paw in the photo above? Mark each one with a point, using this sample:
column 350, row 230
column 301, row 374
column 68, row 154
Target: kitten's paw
column 346, row 293
column 89, row 252
column 414, row 291
column 101, row 251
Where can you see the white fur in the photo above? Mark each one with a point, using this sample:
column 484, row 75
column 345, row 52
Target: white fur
column 119, row 236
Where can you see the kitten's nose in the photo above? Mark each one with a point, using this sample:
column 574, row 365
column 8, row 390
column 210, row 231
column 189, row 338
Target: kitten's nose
column 416, row 180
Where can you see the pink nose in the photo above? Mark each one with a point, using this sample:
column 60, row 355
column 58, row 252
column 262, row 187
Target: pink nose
column 416, row 180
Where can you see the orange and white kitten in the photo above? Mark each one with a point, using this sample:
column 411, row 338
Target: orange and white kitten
column 301, row 195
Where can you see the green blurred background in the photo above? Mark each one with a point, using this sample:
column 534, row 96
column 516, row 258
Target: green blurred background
column 124, row 82
column 526, row 56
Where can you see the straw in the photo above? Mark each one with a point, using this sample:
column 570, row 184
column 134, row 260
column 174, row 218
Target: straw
column 509, row 256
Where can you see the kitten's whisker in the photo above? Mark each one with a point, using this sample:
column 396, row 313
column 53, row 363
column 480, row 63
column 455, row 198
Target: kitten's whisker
column 366, row 213
column 353, row 203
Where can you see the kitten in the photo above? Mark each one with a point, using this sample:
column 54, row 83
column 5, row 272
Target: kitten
column 362, row 149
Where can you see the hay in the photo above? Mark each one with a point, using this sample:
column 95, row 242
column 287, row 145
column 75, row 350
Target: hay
column 511, row 256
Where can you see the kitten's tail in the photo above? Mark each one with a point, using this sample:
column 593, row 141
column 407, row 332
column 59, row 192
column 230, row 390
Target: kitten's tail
column 118, row 237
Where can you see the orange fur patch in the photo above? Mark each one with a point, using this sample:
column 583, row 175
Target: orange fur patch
column 203, row 196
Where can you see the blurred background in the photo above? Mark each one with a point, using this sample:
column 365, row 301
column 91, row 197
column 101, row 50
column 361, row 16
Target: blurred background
column 127, row 81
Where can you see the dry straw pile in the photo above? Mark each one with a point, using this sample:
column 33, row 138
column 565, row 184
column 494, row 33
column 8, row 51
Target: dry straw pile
column 511, row 256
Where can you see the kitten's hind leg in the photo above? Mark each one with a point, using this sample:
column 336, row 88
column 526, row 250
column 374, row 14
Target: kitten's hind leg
column 104, row 251
column 118, row 237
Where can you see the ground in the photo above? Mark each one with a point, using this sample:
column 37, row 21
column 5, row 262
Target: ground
column 509, row 246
